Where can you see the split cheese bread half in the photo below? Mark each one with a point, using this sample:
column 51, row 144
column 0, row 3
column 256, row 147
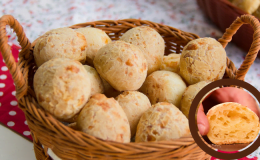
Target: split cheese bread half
column 232, row 123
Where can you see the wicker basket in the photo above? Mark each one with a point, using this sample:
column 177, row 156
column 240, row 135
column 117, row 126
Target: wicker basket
column 223, row 13
column 69, row 144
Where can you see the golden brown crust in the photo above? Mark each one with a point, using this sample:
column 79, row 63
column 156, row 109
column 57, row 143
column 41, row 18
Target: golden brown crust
column 164, row 86
column 162, row 122
column 104, row 118
column 188, row 96
column 60, row 43
column 96, row 38
column 232, row 123
column 134, row 105
column 150, row 41
column 202, row 59
column 62, row 87
column 95, row 81
column 171, row 63
column 122, row 65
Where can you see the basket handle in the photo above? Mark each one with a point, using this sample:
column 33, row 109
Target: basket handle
column 253, row 51
column 15, row 68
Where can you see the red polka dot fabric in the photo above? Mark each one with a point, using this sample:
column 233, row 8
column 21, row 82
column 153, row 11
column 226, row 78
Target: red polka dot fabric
column 10, row 114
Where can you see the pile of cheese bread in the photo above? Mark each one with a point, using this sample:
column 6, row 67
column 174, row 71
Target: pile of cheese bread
column 124, row 89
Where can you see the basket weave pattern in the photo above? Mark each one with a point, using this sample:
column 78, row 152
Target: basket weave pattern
column 67, row 143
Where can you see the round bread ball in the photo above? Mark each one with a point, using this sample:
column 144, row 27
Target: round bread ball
column 232, row 123
column 249, row 6
column 96, row 38
column 189, row 95
column 122, row 65
column 60, row 43
column 164, row 86
column 95, row 81
column 171, row 63
column 62, row 87
column 150, row 41
column 134, row 105
column 202, row 59
column 162, row 122
column 104, row 118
